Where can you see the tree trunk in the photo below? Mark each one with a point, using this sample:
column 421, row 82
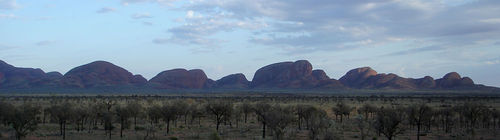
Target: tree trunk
column 168, row 126
column 246, row 117
column 64, row 130
column 263, row 130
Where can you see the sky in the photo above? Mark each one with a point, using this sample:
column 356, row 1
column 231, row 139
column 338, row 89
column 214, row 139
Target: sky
column 411, row 38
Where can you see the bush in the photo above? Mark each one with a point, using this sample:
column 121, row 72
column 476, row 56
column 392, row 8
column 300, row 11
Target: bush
column 138, row 128
column 173, row 138
column 214, row 136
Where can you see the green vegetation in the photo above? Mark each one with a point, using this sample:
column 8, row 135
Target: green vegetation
column 275, row 116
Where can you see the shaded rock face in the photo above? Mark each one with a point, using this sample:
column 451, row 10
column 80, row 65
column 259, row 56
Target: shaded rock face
column 233, row 81
column 99, row 74
column 320, row 75
column 454, row 80
column 54, row 75
column 296, row 74
column 14, row 77
column 181, row 79
column 366, row 78
column 426, row 82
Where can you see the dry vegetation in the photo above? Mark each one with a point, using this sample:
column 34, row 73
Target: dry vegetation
column 237, row 117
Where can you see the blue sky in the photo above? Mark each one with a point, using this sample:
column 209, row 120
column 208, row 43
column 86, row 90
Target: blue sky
column 411, row 38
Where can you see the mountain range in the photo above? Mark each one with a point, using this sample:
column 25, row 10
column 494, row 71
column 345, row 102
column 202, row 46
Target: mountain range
column 283, row 75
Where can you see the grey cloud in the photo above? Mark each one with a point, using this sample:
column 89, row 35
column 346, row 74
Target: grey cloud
column 414, row 51
column 8, row 16
column 46, row 42
column 8, row 4
column 163, row 2
column 328, row 23
column 6, row 47
column 106, row 10
column 200, row 28
column 141, row 16
column 147, row 23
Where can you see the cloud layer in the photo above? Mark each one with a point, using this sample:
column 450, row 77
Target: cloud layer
column 330, row 25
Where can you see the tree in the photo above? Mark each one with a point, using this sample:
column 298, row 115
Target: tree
column 6, row 111
column 342, row 109
column 136, row 110
column 123, row 114
column 220, row 110
column 278, row 118
column 361, row 125
column 367, row 110
column 418, row 114
column 260, row 110
column 24, row 119
column 169, row 113
column 318, row 122
column 108, row 123
column 303, row 114
column 389, row 122
column 246, row 108
column 61, row 113
column 154, row 114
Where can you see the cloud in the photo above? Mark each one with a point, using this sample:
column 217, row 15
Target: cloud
column 493, row 62
column 106, row 10
column 162, row 2
column 6, row 47
column 141, row 16
column 46, row 42
column 414, row 51
column 329, row 25
column 8, row 4
column 147, row 23
column 8, row 16
column 198, row 29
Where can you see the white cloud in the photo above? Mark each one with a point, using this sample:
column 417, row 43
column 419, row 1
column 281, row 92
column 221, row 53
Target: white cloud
column 491, row 20
column 493, row 62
